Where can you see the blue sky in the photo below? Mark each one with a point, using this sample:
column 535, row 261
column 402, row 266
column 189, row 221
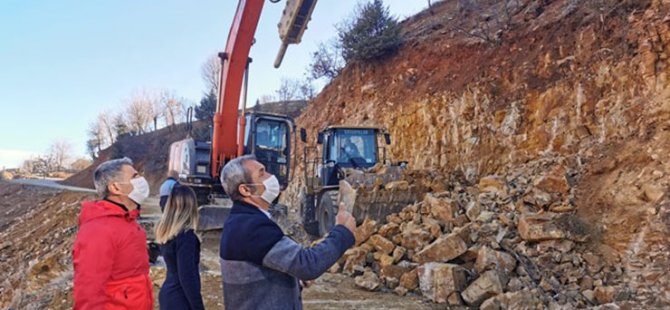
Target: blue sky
column 63, row 62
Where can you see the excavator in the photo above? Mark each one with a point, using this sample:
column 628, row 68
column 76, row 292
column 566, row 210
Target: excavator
column 352, row 154
column 235, row 133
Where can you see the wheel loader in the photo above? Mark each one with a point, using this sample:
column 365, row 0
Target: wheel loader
column 358, row 156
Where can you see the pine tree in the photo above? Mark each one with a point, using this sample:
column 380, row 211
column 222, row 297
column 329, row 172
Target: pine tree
column 373, row 34
column 207, row 107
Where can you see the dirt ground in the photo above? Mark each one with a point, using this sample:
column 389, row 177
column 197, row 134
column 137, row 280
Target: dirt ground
column 38, row 226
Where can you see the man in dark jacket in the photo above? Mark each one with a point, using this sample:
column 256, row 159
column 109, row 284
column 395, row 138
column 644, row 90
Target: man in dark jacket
column 260, row 266
column 111, row 263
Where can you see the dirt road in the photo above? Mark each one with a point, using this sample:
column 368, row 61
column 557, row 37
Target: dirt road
column 39, row 225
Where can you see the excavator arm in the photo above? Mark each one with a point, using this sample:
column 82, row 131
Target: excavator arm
column 227, row 136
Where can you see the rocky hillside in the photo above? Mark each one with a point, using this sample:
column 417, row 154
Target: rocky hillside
column 583, row 85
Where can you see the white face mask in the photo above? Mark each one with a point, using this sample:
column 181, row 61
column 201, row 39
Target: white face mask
column 140, row 190
column 272, row 189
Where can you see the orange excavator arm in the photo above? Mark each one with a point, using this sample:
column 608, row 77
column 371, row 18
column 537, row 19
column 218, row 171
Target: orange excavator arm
column 228, row 131
column 240, row 38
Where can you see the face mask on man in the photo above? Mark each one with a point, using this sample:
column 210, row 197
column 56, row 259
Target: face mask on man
column 272, row 189
column 140, row 190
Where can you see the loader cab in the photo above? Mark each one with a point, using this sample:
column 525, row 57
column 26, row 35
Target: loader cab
column 349, row 147
column 268, row 137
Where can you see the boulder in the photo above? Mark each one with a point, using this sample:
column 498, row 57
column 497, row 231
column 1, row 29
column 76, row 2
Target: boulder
column 438, row 280
column 368, row 281
column 486, row 286
column 381, row 244
column 443, row 249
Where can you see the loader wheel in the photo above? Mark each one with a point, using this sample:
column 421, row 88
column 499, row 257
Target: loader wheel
column 326, row 212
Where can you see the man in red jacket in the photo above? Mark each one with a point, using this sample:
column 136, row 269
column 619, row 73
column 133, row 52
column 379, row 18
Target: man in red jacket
column 111, row 263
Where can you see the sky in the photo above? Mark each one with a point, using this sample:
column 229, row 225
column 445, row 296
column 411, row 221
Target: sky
column 63, row 62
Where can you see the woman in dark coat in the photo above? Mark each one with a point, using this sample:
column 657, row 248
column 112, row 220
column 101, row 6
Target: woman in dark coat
column 180, row 247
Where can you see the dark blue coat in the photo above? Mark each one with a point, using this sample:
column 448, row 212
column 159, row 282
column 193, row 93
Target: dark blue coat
column 181, row 289
column 261, row 267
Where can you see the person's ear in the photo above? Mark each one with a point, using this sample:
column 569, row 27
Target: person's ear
column 114, row 188
column 244, row 190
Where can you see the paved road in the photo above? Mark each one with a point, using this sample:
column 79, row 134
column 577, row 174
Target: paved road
column 52, row 183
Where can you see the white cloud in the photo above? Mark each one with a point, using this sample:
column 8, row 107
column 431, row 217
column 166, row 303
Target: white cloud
column 14, row 158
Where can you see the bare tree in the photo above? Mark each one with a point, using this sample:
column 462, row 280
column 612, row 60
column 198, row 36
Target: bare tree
column 266, row 99
column 105, row 123
column 289, row 89
column 58, row 155
column 486, row 23
column 96, row 138
column 141, row 111
column 307, row 91
column 173, row 107
column 326, row 62
column 211, row 74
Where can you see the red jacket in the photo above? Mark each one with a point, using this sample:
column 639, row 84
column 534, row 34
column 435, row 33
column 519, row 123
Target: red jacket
column 111, row 263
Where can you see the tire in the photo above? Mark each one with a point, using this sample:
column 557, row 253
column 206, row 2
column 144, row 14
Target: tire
column 326, row 212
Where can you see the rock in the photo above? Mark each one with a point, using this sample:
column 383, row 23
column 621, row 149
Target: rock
column 563, row 246
column 443, row 249
column 490, row 259
column 434, row 229
column 589, row 295
column 393, row 271
column 455, row 299
column 471, row 254
column 394, row 218
column 438, row 280
column 492, row 303
column 410, row 279
column 586, row 283
column 514, row 285
column 514, row 300
column 335, row 268
column 389, row 229
column 414, row 238
column 368, row 281
column 442, row 209
column 487, row 285
column 398, row 254
column 550, row 284
column 604, row 294
column 652, row 193
column 492, row 183
column 554, row 181
column 397, row 186
column 400, row 291
column 385, row 260
column 354, row 260
column 539, row 227
column 473, row 210
column 594, row 263
column 485, row 217
column 364, row 231
column 381, row 244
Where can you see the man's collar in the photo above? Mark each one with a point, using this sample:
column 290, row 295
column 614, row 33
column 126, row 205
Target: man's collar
column 248, row 206
column 116, row 203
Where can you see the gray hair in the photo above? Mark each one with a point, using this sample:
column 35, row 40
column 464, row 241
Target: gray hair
column 107, row 172
column 234, row 174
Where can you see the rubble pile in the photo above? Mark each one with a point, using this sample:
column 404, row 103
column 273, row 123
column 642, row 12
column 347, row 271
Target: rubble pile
column 504, row 243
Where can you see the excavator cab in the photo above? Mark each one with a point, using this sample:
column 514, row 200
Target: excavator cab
column 268, row 137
